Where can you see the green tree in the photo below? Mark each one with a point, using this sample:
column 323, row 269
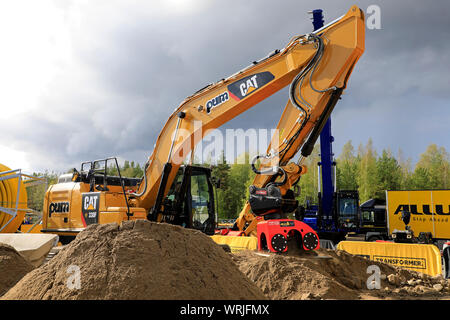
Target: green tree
column 406, row 172
column 389, row 174
column 421, row 179
column 36, row 193
column 309, row 181
column 240, row 178
column 435, row 160
column 128, row 169
column 367, row 173
column 347, row 168
column 234, row 182
column 137, row 171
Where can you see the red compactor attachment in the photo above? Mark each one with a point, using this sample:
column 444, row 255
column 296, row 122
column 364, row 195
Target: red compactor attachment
column 277, row 234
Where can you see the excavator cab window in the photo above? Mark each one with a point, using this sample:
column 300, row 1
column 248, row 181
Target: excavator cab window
column 176, row 186
column 200, row 199
column 190, row 200
column 173, row 210
column 347, row 212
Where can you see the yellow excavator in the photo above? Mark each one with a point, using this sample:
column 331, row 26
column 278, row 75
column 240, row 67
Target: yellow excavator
column 316, row 66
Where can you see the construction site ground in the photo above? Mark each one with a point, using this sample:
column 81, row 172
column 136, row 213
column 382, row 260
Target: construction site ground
column 328, row 274
column 146, row 260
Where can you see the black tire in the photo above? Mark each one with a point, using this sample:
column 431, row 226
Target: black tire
column 446, row 256
column 66, row 239
column 299, row 213
column 263, row 242
column 373, row 238
column 225, row 247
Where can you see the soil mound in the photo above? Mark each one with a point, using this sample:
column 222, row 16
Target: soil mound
column 328, row 274
column 138, row 260
column 13, row 266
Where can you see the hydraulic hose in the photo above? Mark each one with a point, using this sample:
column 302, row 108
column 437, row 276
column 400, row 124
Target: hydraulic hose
column 137, row 195
column 295, row 85
column 270, row 172
column 298, row 82
column 299, row 102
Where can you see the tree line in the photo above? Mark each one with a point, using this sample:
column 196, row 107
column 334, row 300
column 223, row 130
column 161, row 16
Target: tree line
column 372, row 174
column 362, row 169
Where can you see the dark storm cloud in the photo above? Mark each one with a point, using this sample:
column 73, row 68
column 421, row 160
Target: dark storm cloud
column 133, row 65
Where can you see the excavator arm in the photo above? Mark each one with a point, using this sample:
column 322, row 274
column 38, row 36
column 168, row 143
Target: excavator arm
column 284, row 152
column 316, row 66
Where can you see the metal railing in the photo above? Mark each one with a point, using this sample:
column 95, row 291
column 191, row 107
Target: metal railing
column 26, row 180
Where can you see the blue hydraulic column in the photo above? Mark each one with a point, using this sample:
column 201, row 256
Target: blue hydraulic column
column 317, row 19
column 326, row 151
column 326, row 162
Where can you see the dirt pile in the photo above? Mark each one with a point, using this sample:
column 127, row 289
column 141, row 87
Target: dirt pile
column 415, row 285
column 328, row 274
column 139, row 260
column 13, row 266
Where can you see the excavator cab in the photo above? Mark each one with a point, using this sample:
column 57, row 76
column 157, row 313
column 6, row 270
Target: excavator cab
column 347, row 209
column 190, row 200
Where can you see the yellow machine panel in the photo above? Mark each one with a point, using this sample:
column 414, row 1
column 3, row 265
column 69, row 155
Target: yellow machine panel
column 71, row 208
column 430, row 211
column 31, row 228
column 424, row 258
column 237, row 243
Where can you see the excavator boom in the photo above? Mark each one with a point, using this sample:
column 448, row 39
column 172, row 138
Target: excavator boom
column 317, row 66
column 291, row 133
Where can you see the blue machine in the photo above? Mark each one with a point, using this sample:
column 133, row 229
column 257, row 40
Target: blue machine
column 337, row 212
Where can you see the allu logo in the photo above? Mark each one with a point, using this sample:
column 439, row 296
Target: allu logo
column 425, row 209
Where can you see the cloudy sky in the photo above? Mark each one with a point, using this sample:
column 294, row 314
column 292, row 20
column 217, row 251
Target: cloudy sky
column 82, row 80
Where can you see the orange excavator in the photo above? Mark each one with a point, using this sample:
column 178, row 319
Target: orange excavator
column 316, row 66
